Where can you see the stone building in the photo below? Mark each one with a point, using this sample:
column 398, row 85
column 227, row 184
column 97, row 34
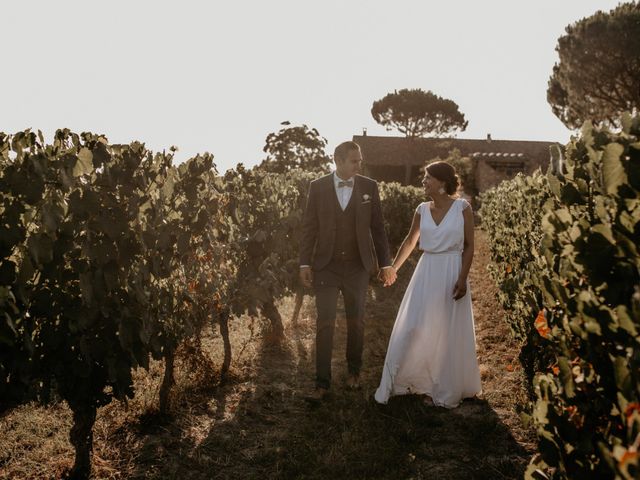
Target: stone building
column 400, row 159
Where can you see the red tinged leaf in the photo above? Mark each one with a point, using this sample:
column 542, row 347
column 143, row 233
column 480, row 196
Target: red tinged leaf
column 541, row 325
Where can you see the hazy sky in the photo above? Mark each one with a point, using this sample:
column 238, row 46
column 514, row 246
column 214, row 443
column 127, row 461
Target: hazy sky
column 220, row 76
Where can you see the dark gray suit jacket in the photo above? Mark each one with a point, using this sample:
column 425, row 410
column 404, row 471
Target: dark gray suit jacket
column 318, row 233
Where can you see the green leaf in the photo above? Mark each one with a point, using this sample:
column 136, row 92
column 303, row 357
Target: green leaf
column 41, row 248
column 612, row 168
column 167, row 187
column 100, row 153
column 554, row 184
column 26, row 270
column 563, row 215
column 628, row 221
column 625, row 321
column 84, row 163
column 566, row 377
column 50, row 215
column 570, row 194
column 534, row 472
column 592, row 326
column 605, row 231
column 626, row 121
column 622, row 375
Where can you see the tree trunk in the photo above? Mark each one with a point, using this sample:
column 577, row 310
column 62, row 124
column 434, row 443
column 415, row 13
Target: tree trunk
column 270, row 311
column 167, row 382
column 81, row 436
column 223, row 320
column 407, row 174
column 297, row 307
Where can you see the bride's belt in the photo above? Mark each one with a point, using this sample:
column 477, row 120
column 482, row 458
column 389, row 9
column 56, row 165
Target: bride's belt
column 453, row 252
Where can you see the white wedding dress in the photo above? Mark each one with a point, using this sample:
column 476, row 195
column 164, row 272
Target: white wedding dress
column 432, row 349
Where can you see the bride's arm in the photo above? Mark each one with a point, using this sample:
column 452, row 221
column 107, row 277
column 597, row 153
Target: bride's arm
column 460, row 288
column 467, row 252
column 409, row 242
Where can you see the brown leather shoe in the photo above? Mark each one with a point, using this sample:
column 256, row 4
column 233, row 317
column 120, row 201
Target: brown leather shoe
column 353, row 381
column 318, row 395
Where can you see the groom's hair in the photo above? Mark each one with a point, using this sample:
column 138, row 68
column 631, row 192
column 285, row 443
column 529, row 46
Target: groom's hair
column 341, row 151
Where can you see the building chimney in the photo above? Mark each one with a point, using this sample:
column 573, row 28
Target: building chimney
column 364, row 131
column 488, row 137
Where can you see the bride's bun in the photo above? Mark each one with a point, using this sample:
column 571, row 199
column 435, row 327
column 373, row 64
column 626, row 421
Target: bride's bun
column 445, row 173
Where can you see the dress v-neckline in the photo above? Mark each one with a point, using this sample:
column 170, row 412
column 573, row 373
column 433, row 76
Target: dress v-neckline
column 444, row 217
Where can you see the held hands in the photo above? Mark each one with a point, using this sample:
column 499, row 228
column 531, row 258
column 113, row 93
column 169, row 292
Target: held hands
column 460, row 289
column 388, row 276
column 306, row 276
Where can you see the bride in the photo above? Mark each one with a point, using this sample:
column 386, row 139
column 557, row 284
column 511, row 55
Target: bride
column 432, row 347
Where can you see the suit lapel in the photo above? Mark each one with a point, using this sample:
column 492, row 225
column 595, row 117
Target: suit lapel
column 355, row 195
column 329, row 194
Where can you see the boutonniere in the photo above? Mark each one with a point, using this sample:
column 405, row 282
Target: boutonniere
column 366, row 198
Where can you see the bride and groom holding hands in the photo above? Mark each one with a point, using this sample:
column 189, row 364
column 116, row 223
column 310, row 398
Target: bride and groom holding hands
column 432, row 346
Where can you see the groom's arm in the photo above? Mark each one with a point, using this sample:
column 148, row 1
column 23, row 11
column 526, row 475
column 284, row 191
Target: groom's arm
column 378, row 233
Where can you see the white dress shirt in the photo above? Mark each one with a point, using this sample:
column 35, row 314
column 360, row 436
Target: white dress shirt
column 343, row 193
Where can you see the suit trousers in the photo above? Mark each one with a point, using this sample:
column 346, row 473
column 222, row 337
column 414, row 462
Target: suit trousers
column 350, row 278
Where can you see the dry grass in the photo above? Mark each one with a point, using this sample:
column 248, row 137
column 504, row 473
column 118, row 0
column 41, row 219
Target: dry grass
column 258, row 425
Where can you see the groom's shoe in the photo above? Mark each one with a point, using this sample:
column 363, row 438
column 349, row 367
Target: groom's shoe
column 353, row 381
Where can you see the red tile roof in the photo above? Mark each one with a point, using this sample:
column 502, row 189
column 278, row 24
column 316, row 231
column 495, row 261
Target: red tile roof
column 402, row 150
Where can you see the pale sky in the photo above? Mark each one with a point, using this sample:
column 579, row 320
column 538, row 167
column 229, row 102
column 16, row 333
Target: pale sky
column 220, row 76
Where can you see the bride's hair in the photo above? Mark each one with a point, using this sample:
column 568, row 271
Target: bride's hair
column 445, row 173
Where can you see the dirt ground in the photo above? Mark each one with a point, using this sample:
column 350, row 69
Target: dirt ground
column 258, row 425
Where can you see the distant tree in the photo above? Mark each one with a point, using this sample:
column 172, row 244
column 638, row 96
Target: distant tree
column 295, row 148
column 598, row 75
column 416, row 113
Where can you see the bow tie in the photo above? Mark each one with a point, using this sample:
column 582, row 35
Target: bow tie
column 347, row 183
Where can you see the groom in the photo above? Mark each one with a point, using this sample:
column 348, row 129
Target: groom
column 342, row 226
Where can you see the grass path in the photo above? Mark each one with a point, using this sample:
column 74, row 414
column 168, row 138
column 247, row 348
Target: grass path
column 258, row 425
